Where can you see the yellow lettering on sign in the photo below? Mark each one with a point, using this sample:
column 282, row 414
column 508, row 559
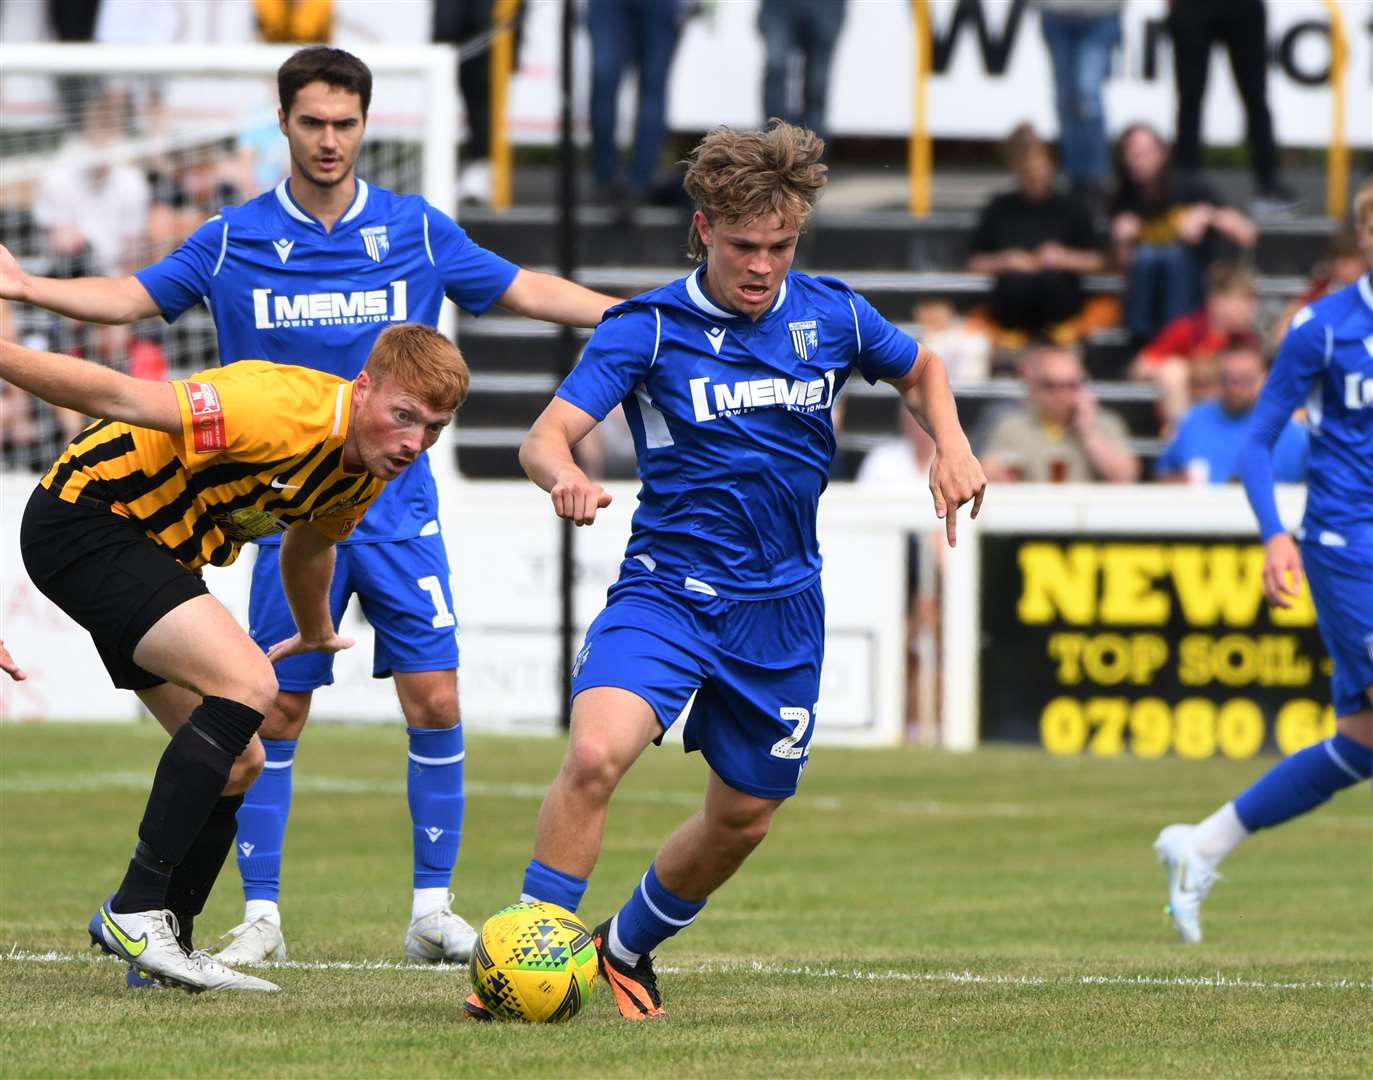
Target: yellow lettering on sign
column 1219, row 582
column 1066, row 649
column 1059, row 584
column 1302, row 722
column 1241, row 660
column 1128, row 595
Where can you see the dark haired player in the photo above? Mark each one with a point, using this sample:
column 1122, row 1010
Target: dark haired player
column 310, row 273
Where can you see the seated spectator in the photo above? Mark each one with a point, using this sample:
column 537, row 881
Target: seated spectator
column 1206, row 448
column 1164, row 232
column 1342, row 266
column 93, row 206
column 1176, row 359
column 1060, row 433
column 966, row 352
column 1036, row 242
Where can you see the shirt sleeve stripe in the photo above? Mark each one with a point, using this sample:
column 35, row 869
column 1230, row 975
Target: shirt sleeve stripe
column 857, row 332
column 223, row 249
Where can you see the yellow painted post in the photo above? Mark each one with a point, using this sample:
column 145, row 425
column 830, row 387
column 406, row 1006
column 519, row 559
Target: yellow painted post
column 919, row 156
column 502, row 65
column 1337, row 157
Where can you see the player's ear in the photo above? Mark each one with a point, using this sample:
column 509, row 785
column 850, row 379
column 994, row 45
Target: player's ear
column 281, row 119
column 701, row 224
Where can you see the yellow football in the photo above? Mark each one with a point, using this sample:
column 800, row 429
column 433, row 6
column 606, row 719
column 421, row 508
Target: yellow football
column 534, row 962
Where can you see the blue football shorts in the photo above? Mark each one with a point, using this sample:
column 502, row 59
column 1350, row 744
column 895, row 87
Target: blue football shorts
column 753, row 666
column 1342, row 586
column 404, row 590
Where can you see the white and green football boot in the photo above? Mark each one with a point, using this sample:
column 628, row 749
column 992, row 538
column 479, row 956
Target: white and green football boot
column 1189, row 879
column 147, row 941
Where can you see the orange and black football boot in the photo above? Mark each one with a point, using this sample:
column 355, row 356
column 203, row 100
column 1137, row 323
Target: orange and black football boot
column 473, row 1009
column 635, row 988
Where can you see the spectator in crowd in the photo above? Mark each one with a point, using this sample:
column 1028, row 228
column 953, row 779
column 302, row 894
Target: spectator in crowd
column 1164, row 229
column 468, row 23
column 1037, row 244
column 92, row 205
column 1183, row 353
column 1060, row 434
column 1242, row 26
column 1343, row 265
column 966, row 352
column 900, row 467
column 640, row 34
column 1081, row 35
column 1206, row 448
column 799, row 34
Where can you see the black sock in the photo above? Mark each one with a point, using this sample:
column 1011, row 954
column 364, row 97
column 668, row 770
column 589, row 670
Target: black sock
column 195, row 875
column 145, row 883
column 190, row 776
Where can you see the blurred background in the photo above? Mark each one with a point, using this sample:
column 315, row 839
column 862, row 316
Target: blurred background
column 1100, row 213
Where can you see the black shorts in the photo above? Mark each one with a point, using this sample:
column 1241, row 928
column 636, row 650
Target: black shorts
column 107, row 574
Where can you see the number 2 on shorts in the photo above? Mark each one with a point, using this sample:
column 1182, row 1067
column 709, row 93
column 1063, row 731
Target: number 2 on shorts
column 787, row 748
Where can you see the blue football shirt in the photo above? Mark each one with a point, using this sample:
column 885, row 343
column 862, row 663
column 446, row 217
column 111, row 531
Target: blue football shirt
column 733, row 424
column 1213, row 437
column 282, row 288
column 1325, row 362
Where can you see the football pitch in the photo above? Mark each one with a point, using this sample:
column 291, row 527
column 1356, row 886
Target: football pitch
column 913, row 913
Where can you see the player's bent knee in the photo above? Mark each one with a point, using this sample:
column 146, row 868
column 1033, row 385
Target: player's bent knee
column 258, row 689
column 593, row 767
column 246, row 768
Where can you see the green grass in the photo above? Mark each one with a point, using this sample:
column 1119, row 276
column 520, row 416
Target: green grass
column 913, row 913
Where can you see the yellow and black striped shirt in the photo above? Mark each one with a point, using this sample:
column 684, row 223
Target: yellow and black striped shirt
column 260, row 450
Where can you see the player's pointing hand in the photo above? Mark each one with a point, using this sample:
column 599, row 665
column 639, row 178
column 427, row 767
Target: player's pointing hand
column 956, row 477
column 577, row 498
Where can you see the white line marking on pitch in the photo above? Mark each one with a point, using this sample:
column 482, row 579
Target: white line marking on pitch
column 756, row 967
column 343, row 785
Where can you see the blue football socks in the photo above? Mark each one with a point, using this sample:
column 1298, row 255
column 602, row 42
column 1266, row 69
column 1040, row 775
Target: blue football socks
column 1303, row 781
column 650, row 916
column 435, row 792
column 552, row 886
column 262, row 823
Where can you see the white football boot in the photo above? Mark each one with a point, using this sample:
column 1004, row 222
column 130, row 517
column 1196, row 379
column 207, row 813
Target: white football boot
column 440, row 937
column 147, row 940
column 1189, row 879
column 256, row 942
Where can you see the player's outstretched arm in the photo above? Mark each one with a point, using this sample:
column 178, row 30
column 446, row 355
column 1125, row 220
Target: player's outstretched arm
column 546, row 457
column 307, row 568
column 91, row 389
column 554, row 299
column 956, row 477
column 89, row 299
column 1299, row 362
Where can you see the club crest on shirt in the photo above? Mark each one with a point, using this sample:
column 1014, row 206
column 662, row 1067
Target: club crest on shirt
column 375, row 241
column 805, row 338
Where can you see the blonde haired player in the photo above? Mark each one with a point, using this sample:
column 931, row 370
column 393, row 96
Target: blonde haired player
column 728, row 378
